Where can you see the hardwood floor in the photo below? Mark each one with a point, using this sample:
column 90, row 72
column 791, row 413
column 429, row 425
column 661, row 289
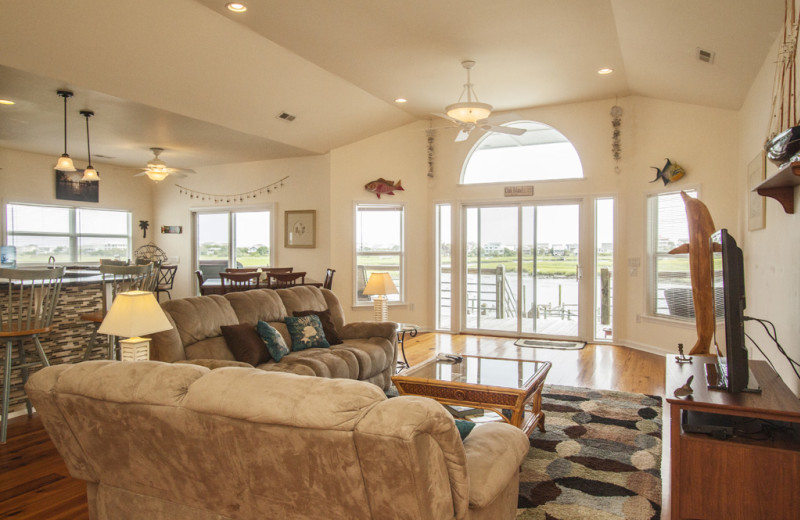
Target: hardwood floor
column 35, row 484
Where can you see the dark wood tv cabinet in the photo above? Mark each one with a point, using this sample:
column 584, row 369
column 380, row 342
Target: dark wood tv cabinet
column 741, row 477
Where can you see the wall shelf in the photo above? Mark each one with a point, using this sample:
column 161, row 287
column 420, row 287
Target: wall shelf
column 781, row 186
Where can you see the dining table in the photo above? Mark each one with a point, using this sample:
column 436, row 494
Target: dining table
column 214, row 285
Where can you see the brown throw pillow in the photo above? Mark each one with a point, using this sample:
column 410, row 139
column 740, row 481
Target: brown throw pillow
column 327, row 325
column 245, row 344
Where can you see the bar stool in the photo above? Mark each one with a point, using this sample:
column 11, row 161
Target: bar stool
column 25, row 312
column 116, row 279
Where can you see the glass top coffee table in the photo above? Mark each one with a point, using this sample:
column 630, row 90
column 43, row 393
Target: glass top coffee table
column 509, row 387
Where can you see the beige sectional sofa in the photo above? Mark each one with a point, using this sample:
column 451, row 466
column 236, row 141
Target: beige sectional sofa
column 179, row 441
column 368, row 352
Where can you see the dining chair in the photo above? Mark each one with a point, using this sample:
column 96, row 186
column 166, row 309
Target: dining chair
column 26, row 311
column 109, row 261
column 328, row 283
column 166, row 279
column 277, row 269
column 241, row 269
column 232, row 282
column 115, row 279
column 282, row 280
column 151, row 284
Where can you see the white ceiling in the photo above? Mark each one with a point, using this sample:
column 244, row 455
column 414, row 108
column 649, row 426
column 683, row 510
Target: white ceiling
column 206, row 84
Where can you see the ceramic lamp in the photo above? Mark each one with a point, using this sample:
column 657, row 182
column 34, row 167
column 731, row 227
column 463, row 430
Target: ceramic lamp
column 379, row 285
column 133, row 314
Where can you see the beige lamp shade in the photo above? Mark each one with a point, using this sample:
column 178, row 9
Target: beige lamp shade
column 380, row 283
column 469, row 112
column 134, row 313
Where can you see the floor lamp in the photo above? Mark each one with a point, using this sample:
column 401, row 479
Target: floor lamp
column 379, row 285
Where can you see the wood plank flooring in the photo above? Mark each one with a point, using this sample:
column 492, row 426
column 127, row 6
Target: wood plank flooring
column 35, row 484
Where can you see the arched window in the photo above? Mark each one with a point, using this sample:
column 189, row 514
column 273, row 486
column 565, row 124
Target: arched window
column 541, row 153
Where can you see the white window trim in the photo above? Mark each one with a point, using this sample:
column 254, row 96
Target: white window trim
column 402, row 254
column 231, row 228
column 72, row 235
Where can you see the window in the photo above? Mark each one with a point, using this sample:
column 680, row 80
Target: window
column 444, row 268
column 233, row 239
column 379, row 247
column 670, row 283
column 541, row 153
column 66, row 233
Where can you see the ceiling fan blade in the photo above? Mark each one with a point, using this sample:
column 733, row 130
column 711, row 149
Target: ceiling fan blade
column 462, row 135
column 505, row 130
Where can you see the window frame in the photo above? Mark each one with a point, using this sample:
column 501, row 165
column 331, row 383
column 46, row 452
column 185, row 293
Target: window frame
column 401, row 254
column 653, row 255
column 72, row 235
column 230, row 211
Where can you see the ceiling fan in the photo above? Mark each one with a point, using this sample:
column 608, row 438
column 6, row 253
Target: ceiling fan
column 472, row 114
column 157, row 169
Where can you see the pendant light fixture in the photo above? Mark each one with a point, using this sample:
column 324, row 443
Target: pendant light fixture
column 65, row 162
column 89, row 174
column 471, row 110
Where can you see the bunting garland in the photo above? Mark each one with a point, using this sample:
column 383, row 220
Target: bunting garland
column 234, row 198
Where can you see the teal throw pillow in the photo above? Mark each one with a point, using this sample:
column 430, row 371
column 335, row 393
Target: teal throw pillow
column 464, row 427
column 306, row 332
column 273, row 339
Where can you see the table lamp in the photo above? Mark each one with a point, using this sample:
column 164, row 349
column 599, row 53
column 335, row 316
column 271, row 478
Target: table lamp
column 379, row 285
column 133, row 314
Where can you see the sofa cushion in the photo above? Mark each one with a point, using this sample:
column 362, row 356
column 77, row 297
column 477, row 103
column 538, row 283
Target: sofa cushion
column 373, row 355
column 302, row 298
column 464, row 427
column 327, row 325
column 200, row 318
column 494, row 453
column 245, row 343
column 257, row 305
column 306, row 332
column 272, row 340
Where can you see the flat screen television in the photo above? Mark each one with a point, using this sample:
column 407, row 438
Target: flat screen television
column 731, row 367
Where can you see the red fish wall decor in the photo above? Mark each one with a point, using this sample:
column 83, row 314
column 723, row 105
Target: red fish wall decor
column 383, row 186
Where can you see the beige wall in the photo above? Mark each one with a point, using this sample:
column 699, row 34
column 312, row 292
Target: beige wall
column 307, row 187
column 772, row 276
column 29, row 177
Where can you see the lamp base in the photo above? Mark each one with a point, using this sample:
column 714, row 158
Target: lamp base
column 134, row 349
column 380, row 308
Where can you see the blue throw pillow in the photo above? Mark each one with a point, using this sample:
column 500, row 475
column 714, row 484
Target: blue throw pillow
column 306, row 332
column 464, row 427
column 273, row 339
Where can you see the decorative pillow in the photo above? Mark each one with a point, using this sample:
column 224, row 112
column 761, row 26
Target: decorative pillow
column 245, row 343
column 327, row 325
column 464, row 427
column 273, row 340
column 306, row 332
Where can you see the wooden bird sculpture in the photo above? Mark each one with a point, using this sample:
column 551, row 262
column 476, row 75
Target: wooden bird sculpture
column 701, row 227
column 685, row 389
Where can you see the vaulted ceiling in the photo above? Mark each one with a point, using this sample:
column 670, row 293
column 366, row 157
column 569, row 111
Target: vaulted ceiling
column 207, row 84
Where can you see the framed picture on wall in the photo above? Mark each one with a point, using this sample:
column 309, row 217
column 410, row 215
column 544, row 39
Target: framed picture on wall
column 69, row 186
column 756, row 209
column 300, row 228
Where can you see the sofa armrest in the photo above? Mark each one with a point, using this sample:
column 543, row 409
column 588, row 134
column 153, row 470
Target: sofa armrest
column 215, row 363
column 494, row 454
column 370, row 329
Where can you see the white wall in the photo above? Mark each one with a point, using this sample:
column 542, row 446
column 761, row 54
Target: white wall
column 307, row 187
column 29, row 177
column 772, row 275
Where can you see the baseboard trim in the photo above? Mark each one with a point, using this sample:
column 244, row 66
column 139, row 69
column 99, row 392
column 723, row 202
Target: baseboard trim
column 644, row 347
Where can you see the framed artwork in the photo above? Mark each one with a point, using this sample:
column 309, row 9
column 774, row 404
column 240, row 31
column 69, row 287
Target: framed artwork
column 300, row 228
column 172, row 229
column 70, row 187
column 756, row 209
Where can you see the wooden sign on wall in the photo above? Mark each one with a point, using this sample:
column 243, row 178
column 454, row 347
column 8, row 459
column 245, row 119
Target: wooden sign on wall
column 518, row 191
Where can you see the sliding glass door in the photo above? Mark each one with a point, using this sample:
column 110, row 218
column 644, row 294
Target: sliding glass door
column 522, row 272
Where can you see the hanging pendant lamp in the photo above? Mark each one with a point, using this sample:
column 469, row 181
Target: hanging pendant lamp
column 65, row 162
column 89, row 174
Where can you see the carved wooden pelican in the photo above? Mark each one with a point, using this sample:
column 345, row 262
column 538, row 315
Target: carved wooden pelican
column 701, row 227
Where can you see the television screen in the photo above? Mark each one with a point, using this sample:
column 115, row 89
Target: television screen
column 729, row 304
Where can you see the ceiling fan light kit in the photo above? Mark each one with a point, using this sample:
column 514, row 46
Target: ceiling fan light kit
column 157, row 170
column 469, row 112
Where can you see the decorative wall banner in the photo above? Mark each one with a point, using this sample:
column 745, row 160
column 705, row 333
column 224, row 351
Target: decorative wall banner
column 231, row 198
column 616, row 147
column 431, row 133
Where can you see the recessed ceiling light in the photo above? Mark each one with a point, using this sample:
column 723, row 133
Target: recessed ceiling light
column 6, row 102
column 605, row 71
column 401, row 100
column 236, row 7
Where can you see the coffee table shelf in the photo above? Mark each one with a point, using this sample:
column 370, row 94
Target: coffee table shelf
column 494, row 384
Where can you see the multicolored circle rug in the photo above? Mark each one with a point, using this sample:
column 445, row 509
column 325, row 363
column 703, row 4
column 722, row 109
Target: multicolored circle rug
column 599, row 459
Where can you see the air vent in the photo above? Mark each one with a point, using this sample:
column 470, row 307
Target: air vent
column 286, row 117
column 705, row 56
